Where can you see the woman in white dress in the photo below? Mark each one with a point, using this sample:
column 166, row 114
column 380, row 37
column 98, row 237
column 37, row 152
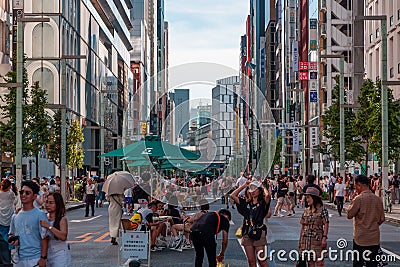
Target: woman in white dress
column 58, row 254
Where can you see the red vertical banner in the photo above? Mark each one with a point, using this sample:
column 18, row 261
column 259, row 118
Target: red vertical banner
column 303, row 48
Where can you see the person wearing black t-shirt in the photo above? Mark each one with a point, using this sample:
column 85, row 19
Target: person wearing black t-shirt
column 311, row 183
column 254, row 209
column 203, row 233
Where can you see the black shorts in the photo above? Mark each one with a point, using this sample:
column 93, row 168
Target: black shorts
column 291, row 194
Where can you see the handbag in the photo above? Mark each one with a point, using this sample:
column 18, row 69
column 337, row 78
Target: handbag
column 253, row 231
column 239, row 232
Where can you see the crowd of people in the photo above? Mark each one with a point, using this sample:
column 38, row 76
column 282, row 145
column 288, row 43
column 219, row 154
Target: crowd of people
column 38, row 230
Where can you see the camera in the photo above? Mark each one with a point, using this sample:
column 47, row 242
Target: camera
column 13, row 238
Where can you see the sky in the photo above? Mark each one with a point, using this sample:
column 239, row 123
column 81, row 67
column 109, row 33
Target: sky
column 205, row 31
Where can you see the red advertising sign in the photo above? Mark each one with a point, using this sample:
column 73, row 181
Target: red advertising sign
column 303, row 65
column 312, row 66
column 303, row 76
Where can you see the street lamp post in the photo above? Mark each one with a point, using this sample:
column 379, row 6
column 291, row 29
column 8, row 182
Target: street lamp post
column 384, row 100
column 342, row 157
column 19, row 94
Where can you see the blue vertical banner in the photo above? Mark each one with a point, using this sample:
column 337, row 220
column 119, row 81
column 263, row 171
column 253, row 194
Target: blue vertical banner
column 262, row 62
column 296, row 145
column 295, row 55
column 313, row 97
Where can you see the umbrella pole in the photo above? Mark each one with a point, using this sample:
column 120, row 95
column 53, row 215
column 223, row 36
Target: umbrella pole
column 151, row 196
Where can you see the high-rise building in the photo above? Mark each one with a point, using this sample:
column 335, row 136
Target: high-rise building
column 271, row 90
column 373, row 41
column 99, row 31
column 335, row 29
column 181, row 114
column 223, row 125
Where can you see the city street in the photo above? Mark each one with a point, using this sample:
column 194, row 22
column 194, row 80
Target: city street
column 90, row 243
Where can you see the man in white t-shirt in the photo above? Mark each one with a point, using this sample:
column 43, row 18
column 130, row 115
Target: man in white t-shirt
column 340, row 189
column 241, row 181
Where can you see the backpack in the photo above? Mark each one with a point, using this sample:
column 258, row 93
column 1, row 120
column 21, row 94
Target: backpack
column 5, row 253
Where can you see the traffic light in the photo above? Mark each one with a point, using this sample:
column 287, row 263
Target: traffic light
column 143, row 127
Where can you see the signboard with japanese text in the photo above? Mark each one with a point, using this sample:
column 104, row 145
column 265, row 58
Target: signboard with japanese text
column 303, row 65
column 303, row 76
column 313, row 24
column 296, row 146
column 312, row 85
column 295, row 54
column 314, row 138
column 135, row 245
column 313, row 97
column 313, row 45
column 313, row 75
column 313, row 65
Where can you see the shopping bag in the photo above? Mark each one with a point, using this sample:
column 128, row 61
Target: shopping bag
column 221, row 264
column 239, row 233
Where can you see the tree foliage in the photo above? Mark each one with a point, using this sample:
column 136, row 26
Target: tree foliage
column 369, row 120
column 74, row 146
column 353, row 143
column 8, row 114
column 54, row 147
column 40, row 122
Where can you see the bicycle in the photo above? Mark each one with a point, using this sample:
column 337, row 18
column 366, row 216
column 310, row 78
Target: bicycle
column 388, row 202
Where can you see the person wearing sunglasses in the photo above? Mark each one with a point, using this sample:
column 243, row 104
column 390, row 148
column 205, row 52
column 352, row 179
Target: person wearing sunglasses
column 26, row 233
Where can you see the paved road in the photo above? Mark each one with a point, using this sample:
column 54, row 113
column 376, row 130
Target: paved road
column 90, row 242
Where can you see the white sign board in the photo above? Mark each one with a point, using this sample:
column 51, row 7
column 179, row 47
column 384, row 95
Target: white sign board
column 135, row 245
column 314, row 137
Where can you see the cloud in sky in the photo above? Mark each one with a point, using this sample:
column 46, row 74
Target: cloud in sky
column 206, row 31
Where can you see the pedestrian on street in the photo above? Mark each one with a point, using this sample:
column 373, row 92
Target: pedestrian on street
column 7, row 204
column 331, row 187
column 26, row 232
column 203, row 234
column 100, row 195
column 314, row 229
column 310, row 183
column 340, row 191
column 367, row 211
column 90, row 196
column 254, row 209
column 114, row 215
column 58, row 252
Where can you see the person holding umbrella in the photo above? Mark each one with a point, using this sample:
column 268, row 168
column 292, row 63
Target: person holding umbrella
column 114, row 188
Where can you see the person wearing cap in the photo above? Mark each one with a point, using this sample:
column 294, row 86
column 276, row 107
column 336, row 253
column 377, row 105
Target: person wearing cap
column 254, row 208
column 314, row 229
column 203, row 233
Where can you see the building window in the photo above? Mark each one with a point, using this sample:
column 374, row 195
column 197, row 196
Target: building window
column 377, row 33
column 398, row 68
column 371, row 38
column 391, row 72
column 391, row 20
column 398, row 14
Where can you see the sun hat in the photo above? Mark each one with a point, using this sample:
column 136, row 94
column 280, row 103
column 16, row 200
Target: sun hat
column 312, row 191
column 253, row 186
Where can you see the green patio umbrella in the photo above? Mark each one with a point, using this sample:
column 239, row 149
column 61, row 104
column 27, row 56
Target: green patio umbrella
column 139, row 163
column 153, row 148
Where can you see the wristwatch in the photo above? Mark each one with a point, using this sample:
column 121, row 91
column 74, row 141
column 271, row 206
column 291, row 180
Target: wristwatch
column 44, row 257
column 51, row 227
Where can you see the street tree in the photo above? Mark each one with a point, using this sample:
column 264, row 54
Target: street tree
column 75, row 155
column 39, row 123
column 8, row 114
column 354, row 150
column 54, row 147
column 369, row 120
